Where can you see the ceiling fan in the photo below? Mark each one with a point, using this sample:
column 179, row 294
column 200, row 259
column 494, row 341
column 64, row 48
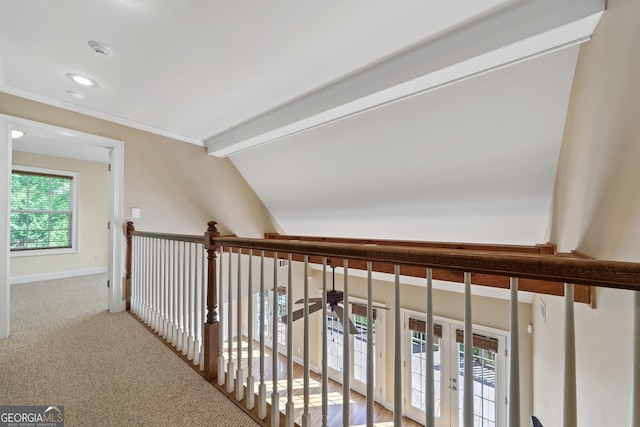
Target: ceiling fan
column 334, row 298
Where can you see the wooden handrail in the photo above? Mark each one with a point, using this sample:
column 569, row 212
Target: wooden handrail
column 165, row 236
column 612, row 274
column 546, row 248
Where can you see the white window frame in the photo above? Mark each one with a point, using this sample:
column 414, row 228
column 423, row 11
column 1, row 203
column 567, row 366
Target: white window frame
column 75, row 177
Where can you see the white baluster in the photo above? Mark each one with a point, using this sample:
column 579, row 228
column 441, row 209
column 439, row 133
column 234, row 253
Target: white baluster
column 155, row 285
column 370, row 350
column 305, row 414
column 467, row 398
column 635, row 368
column 147, row 282
column 230, row 365
column 429, row 392
column 250, row 393
column 514, row 359
column 239, row 371
column 134, row 274
column 346, row 359
column 325, row 349
column 262, row 389
column 192, row 302
column 197, row 286
column 152, row 287
column 397, row 356
column 569, row 409
column 186, row 271
column 289, row 411
column 275, row 397
column 176, row 290
column 150, row 284
column 165, row 285
column 180, row 296
column 203, row 302
column 221, row 373
column 185, row 300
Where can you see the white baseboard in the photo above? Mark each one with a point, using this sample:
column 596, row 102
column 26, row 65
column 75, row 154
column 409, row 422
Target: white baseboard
column 57, row 275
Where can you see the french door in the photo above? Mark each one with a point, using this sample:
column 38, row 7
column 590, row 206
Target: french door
column 357, row 350
column 448, row 354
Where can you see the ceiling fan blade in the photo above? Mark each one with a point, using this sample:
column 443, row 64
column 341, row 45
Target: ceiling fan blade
column 295, row 315
column 298, row 314
column 300, row 301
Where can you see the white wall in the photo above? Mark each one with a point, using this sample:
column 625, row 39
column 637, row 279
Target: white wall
column 93, row 214
column 596, row 209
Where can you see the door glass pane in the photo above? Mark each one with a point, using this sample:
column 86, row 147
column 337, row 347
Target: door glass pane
column 335, row 342
column 360, row 349
column 418, row 371
column 262, row 301
column 282, row 327
column 484, row 386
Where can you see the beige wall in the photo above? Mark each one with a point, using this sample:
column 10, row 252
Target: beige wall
column 596, row 209
column 176, row 185
column 93, row 215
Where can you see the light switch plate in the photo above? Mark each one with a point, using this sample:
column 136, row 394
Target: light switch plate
column 135, row 213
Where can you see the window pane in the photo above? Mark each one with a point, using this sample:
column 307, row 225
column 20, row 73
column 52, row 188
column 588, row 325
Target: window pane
column 360, row 349
column 40, row 211
column 418, row 371
column 282, row 327
column 484, row 386
column 335, row 342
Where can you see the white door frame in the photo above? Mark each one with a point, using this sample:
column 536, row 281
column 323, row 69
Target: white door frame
column 117, row 242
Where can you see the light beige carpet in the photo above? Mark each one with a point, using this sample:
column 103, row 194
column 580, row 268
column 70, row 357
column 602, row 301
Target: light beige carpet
column 106, row 369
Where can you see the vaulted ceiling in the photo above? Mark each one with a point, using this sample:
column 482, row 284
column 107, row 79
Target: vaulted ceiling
column 425, row 120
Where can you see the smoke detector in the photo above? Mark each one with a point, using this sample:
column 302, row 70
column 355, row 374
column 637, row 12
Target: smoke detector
column 100, row 48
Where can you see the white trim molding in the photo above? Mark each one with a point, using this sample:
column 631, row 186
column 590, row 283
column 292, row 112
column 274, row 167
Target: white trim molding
column 57, row 275
column 517, row 32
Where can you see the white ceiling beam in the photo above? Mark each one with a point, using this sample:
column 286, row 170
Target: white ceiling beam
column 523, row 30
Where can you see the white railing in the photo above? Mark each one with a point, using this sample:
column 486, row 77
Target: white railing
column 173, row 284
column 169, row 290
column 296, row 405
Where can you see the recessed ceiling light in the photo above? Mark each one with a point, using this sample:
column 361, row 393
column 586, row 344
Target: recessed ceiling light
column 100, row 48
column 76, row 95
column 15, row 134
column 82, row 80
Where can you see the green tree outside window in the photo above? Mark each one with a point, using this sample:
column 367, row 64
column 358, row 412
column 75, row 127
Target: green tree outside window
column 41, row 211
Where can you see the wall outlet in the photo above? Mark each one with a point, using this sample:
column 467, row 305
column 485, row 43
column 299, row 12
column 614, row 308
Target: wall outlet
column 98, row 258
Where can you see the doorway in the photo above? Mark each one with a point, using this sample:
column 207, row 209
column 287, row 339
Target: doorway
column 77, row 142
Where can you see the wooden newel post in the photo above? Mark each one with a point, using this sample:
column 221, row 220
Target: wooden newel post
column 211, row 324
column 130, row 229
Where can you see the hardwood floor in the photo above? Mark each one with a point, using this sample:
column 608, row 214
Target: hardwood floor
column 357, row 407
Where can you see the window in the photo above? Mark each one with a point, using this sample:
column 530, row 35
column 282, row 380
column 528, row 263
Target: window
column 282, row 310
column 42, row 210
column 484, row 378
column 418, row 364
column 360, row 343
column 335, row 342
column 262, row 300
